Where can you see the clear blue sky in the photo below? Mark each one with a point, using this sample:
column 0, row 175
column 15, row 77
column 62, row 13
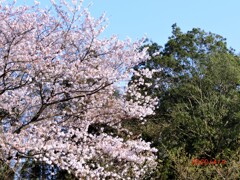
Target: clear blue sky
column 135, row 18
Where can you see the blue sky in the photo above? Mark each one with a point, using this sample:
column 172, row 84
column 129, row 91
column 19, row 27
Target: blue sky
column 135, row 18
column 154, row 18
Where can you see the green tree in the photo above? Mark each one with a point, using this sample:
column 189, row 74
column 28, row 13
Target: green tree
column 199, row 98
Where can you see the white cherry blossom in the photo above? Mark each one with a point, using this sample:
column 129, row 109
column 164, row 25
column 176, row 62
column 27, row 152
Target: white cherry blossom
column 57, row 77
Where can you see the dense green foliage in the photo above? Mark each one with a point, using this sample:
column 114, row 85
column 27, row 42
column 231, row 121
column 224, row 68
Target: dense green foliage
column 199, row 105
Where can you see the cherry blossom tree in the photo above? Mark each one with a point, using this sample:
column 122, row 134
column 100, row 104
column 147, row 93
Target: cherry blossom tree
column 58, row 77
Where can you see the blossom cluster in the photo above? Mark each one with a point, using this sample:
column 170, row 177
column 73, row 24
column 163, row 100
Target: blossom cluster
column 56, row 79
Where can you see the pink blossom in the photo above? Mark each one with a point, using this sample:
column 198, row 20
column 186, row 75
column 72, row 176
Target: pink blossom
column 57, row 77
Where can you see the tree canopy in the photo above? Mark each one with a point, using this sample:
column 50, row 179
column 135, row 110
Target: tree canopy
column 57, row 80
column 199, row 96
